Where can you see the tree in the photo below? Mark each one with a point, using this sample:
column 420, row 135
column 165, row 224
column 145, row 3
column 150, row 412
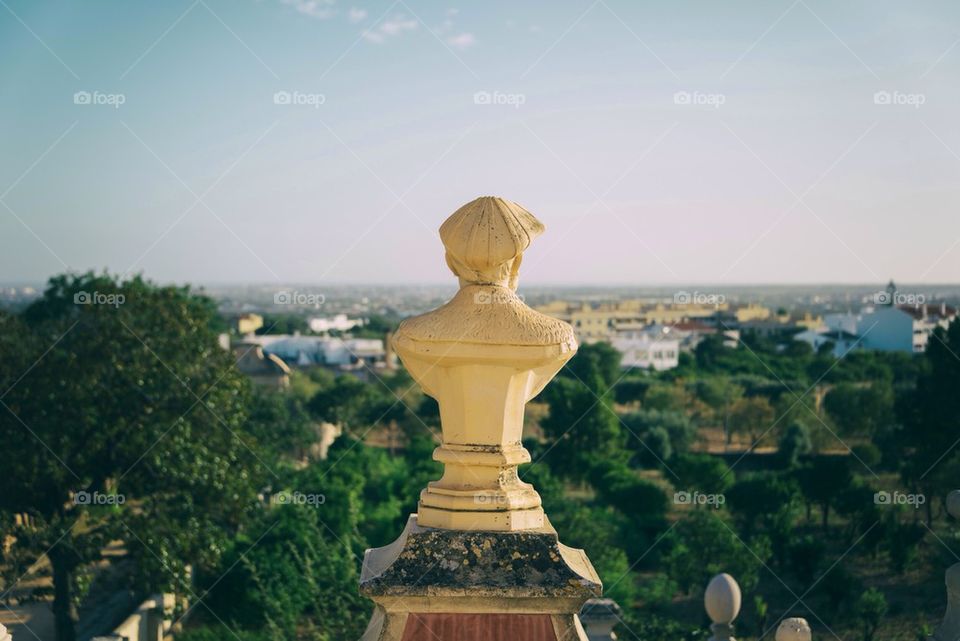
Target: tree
column 752, row 415
column 870, row 609
column 647, row 427
column 860, row 409
column 702, row 545
column 720, row 393
column 582, row 426
column 930, row 413
column 794, row 443
column 822, row 480
column 766, row 503
column 644, row 502
column 701, row 473
column 665, row 398
column 595, row 360
column 122, row 418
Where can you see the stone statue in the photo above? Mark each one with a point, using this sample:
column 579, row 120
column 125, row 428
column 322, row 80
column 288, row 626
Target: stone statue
column 480, row 559
column 483, row 355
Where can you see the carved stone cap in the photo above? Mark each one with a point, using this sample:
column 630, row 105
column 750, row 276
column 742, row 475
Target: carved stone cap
column 485, row 239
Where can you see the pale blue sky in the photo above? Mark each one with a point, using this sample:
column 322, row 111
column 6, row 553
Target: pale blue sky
column 797, row 176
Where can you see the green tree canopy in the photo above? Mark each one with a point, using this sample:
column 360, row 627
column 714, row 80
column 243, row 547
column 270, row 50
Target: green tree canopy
column 122, row 418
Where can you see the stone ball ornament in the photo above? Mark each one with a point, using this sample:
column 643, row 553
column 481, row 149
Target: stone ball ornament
column 722, row 601
column 953, row 504
column 793, row 629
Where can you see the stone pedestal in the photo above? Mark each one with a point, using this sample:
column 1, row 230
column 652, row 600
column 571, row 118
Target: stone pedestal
column 480, row 559
column 459, row 585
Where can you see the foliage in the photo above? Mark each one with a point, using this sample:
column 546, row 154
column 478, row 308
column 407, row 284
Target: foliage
column 702, row 545
column 582, row 425
column 822, row 480
column 700, row 472
column 118, row 388
column 679, row 429
column 869, row 610
column 794, row 443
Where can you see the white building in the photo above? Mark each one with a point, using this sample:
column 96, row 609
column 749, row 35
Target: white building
column 307, row 351
column 643, row 349
column 339, row 322
column 884, row 327
column 842, row 341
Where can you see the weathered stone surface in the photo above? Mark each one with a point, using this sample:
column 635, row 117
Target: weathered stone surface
column 437, row 562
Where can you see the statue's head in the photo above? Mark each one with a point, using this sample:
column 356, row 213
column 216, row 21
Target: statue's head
column 485, row 241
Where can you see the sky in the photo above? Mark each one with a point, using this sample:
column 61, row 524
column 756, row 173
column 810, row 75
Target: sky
column 217, row 141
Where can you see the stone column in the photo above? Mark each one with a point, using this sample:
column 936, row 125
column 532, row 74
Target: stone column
column 480, row 559
column 722, row 601
column 949, row 628
column 599, row 618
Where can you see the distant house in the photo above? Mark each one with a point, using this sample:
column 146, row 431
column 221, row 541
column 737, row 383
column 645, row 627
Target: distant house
column 339, row 323
column 884, row 327
column 842, row 341
column 646, row 350
column 310, row 351
column 263, row 369
column 903, row 328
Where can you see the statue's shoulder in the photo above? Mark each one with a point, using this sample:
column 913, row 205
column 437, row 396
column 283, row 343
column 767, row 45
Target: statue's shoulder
column 488, row 314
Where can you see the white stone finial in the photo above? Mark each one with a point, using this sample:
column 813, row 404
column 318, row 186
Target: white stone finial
column 722, row 601
column 4, row 635
column 793, row 629
column 953, row 504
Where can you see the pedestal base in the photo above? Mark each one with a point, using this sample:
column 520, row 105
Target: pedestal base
column 454, row 584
